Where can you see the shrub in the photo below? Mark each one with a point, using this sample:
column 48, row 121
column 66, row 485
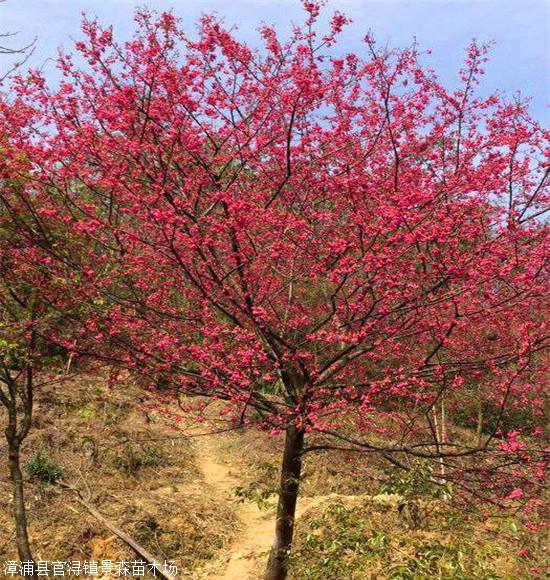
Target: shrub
column 371, row 539
column 44, row 470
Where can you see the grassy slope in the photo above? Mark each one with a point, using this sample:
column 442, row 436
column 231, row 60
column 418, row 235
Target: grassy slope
column 148, row 481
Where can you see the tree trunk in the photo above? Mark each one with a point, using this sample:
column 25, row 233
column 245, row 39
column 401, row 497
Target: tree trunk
column 16, row 431
column 19, row 510
column 277, row 565
column 443, row 440
column 479, row 426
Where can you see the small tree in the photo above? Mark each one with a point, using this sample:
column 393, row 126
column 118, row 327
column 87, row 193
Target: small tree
column 17, row 345
column 337, row 243
column 21, row 319
column 39, row 308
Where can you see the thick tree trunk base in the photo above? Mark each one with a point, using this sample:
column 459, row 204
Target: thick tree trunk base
column 277, row 565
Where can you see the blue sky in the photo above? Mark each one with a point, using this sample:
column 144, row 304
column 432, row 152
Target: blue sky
column 520, row 59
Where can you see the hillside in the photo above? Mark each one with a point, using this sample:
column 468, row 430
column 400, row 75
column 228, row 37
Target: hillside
column 206, row 501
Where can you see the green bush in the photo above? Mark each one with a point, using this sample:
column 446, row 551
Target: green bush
column 465, row 415
column 371, row 540
column 44, row 470
column 415, row 483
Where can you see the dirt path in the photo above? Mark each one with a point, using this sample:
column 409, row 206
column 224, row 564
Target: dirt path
column 248, row 552
column 246, row 556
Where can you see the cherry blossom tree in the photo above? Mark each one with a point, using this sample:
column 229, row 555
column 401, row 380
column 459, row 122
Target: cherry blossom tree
column 335, row 246
column 40, row 307
column 26, row 319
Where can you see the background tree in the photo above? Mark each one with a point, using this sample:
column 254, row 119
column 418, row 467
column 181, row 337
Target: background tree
column 39, row 310
column 17, row 351
column 21, row 53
